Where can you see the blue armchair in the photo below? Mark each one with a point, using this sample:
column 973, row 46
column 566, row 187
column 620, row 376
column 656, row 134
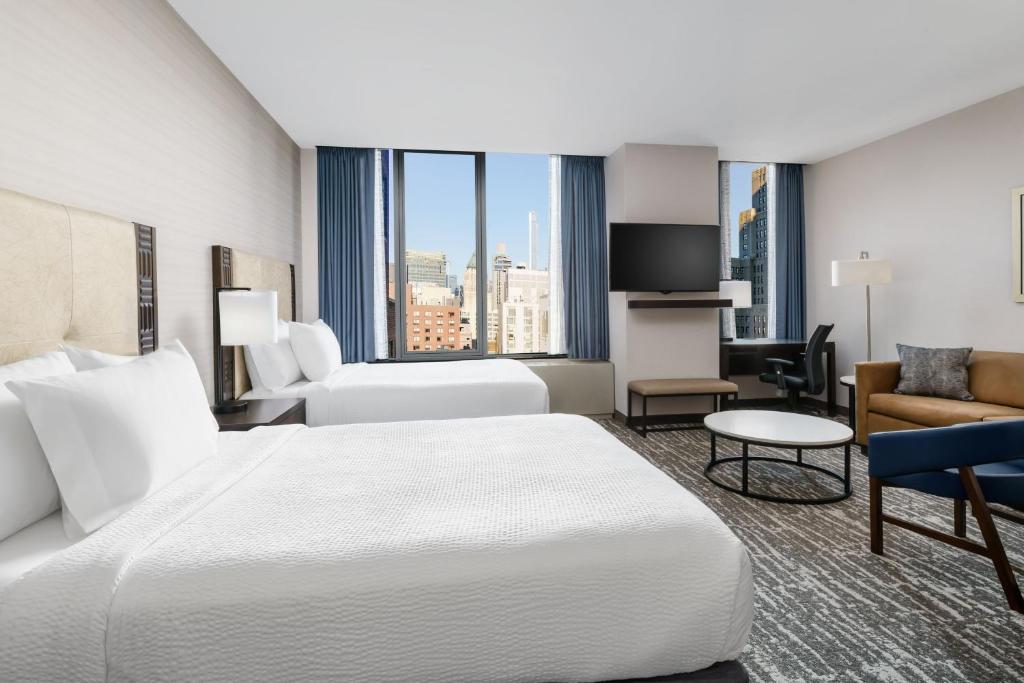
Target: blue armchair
column 982, row 462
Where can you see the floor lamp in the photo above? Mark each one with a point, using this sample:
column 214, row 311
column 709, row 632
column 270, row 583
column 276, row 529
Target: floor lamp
column 863, row 271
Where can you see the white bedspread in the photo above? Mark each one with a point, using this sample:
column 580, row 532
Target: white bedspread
column 392, row 392
column 531, row 548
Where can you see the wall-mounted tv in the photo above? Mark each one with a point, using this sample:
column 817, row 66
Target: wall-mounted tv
column 650, row 257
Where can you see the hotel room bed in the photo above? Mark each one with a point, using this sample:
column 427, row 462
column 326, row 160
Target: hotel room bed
column 390, row 392
column 375, row 392
column 532, row 548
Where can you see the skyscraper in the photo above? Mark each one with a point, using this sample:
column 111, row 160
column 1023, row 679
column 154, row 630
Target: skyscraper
column 534, row 242
column 427, row 267
column 752, row 263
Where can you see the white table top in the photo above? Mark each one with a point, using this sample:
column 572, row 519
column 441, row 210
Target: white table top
column 773, row 427
column 848, row 380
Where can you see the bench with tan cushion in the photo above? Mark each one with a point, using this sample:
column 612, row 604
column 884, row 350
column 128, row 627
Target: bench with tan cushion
column 996, row 379
column 663, row 388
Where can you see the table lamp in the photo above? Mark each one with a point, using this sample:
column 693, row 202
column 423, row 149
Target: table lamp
column 739, row 292
column 863, row 271
column 241, row 317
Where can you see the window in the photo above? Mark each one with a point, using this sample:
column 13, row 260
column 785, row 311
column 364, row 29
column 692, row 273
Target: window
column 748, row 250
column 470, row 252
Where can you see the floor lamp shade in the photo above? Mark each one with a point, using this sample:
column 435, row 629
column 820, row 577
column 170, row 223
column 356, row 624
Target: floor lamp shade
column 737, row 290
column 864, row 271
column 861, row 272
column 247, row 317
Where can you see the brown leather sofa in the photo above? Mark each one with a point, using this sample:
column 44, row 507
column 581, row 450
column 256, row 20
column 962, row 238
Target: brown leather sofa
column 996, row 379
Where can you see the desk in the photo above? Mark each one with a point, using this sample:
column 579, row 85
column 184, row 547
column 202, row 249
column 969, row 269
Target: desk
column 747, row 357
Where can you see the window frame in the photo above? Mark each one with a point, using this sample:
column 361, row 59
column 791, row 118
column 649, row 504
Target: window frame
column 402, row 354
column 480, row 183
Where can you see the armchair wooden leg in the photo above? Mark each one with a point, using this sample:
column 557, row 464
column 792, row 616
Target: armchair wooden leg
column 875, row 505
column 996, row 552
column 960, row 517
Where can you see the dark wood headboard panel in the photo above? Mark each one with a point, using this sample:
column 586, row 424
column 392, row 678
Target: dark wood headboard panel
column 230, row 367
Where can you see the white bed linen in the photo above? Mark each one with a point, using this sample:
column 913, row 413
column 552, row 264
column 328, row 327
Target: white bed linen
column 533, row 548
column 393, row 392
column 30, row 547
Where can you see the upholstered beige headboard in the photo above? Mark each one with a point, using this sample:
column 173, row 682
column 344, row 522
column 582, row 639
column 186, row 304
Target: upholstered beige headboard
column 234, row 268
column 73, row 276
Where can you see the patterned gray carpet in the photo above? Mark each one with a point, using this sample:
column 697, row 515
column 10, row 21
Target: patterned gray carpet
column 826, row 608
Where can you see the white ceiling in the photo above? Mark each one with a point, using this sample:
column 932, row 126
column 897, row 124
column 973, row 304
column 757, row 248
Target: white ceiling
column 780, row 80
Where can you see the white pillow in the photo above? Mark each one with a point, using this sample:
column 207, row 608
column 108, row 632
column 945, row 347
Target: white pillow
column 113, row 436
column 316, row 348
column 90, row 359
column 273, row 366
column 28, row 492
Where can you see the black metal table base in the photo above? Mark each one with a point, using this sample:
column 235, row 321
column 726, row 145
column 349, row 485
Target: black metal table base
column 746, row 459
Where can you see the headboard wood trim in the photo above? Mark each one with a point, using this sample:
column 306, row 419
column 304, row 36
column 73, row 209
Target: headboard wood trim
column 145, row 245
column 223, row 363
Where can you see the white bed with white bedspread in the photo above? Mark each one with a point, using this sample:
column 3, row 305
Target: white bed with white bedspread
column 391, row 392
column 534, row 548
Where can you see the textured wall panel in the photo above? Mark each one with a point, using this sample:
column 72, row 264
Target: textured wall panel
column 116, row 106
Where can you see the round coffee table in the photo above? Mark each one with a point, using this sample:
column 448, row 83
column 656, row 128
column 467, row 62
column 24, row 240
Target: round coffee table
column 778, row 430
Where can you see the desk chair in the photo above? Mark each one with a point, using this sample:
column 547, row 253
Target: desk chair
column 806, row 375
column 981, row 461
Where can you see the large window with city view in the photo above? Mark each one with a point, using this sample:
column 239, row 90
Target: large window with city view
column 470, row 250
column 751, row 250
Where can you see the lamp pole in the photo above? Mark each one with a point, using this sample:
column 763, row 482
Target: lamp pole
column 867, row 298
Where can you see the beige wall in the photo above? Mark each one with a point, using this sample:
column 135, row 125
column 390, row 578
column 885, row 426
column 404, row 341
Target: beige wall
column 936, row 200
column 662, row 184
column 117, row 106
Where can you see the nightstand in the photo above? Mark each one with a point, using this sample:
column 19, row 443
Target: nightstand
column 263, row 412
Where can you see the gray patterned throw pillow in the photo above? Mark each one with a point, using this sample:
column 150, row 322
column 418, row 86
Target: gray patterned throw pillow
column 934, row 372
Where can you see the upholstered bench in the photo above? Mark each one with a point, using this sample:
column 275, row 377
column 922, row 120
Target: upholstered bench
column 672, row 388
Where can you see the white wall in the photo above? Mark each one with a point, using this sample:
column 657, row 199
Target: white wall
column 662, row 184
column 116, row 106
column 936, row 200
column 309, row 285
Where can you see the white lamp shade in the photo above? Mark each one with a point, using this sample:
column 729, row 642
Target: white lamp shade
column 247, row 317
column 737, row 290
column 861, row 272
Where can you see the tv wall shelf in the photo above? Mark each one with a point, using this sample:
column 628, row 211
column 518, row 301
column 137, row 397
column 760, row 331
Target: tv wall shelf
column 680, row 303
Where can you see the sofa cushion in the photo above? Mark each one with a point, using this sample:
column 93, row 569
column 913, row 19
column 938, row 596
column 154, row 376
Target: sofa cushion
column 934, row 372
column 936, row 412
column 997, row 377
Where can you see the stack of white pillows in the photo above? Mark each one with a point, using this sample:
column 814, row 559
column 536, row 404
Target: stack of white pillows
column 309, row 351
column 94, row 434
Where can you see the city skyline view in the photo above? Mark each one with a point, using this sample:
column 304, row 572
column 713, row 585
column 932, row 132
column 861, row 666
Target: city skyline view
column 440, row 205
column 443, row 288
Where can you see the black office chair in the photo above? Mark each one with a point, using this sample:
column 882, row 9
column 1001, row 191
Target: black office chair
column 806, row 375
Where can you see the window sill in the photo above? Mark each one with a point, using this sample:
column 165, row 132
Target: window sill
column 448, row 358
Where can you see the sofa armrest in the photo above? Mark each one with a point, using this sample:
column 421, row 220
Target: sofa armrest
column 876, row 377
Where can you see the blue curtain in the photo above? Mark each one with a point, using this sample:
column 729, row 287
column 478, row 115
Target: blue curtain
column 345, row 203
column 790, row 253
column 584, row 257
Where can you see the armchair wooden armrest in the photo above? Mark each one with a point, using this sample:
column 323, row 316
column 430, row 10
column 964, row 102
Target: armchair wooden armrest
column 876, row 377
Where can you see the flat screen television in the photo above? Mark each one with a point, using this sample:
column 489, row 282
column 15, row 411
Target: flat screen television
column 651, row 257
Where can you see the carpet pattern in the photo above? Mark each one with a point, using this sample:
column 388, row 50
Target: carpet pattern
column 826, row 609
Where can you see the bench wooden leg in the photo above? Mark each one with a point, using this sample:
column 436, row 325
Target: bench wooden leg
column 629, row 408
column 643, row 423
